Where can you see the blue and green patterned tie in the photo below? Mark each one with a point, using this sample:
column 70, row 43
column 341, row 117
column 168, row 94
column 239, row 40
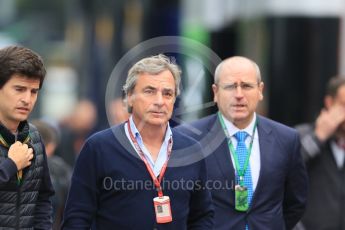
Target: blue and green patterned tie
column 242, row 154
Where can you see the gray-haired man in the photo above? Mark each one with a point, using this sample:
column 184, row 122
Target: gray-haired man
column 141, row 174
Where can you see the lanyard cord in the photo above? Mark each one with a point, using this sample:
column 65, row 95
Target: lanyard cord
column 240, row 171
column 156, row 181
column 3, row 142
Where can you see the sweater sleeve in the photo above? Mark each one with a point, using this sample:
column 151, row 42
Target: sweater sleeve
column 81, row 204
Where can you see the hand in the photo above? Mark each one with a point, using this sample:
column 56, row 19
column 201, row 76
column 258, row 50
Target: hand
column 21, row 155
column 328, row 121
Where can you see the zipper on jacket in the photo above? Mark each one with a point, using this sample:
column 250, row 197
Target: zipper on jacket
column 18, row 201
column 18, row 206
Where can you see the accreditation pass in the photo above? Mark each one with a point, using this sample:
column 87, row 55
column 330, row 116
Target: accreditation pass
column 162, row 209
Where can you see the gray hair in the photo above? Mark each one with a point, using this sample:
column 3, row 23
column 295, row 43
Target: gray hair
column 152, row 65
column 220, row 65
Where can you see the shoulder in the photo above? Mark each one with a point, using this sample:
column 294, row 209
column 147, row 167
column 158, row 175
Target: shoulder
column 202, row 122
column 194, row 128
column 106, row 135
column 34, row 134
column 35, row 140
column 98, row 147
column 267, row 124
column 284, row 135
column 181, row 138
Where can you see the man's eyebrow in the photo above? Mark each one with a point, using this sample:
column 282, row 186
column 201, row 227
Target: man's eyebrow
column 20, row 86
column 25, row 87
column 149, row 87
column 155, row 88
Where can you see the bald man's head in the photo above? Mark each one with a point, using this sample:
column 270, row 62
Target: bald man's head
column 236, row 64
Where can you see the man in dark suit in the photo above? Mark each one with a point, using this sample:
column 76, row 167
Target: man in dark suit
column 256, row 174
column 323, row 150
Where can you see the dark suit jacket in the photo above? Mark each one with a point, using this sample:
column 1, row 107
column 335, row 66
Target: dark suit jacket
column 280, row 195
column 326, row 206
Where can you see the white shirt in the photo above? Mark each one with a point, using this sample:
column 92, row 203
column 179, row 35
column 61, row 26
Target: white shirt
column 254, row 160
column 157, row 165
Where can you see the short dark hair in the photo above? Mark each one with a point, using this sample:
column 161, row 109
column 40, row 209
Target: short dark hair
column 334, row 84
column 22, row 61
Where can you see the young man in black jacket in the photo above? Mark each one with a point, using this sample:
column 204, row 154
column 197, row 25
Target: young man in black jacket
column 25, row 186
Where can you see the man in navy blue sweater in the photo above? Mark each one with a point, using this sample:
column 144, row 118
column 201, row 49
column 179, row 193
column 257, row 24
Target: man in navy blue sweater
column 141, row 174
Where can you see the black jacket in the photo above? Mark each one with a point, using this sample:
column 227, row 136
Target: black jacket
column 326, row 197
column 25, row 204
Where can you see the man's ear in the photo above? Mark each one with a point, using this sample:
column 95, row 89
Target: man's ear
column 129, row 99
column 215, row 90
column 261, row 89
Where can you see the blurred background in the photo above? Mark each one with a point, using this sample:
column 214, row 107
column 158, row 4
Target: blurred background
column 299, row 45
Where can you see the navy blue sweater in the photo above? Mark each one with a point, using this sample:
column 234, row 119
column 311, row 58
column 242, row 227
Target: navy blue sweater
column 112, row 189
